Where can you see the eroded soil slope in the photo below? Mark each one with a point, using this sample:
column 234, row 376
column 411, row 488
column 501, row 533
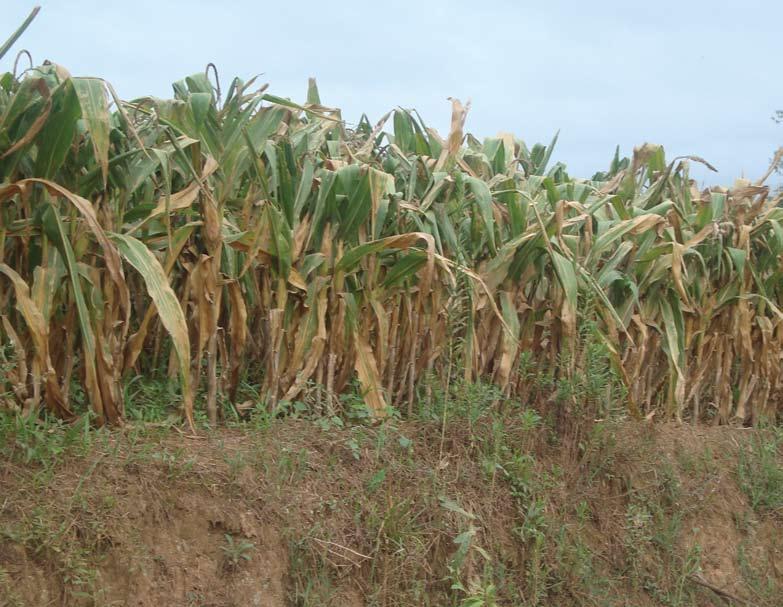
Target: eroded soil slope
column 299, row 513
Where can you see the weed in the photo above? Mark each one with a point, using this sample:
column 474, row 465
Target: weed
column 291, row 464
column 236, row 462
column 376, row 481
column 576, row 571
column 43, row 442
column 175, row 462
column 195, row 598
column 473, row 592
column 311, row 582
column 235, row 552
column 355, row 448
column 151, row 400
column 481, row 596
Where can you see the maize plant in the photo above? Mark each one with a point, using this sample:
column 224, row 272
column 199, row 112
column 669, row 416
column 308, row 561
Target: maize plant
column 218, row 237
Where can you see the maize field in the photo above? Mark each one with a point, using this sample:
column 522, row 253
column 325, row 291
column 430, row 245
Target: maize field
column 227, row 236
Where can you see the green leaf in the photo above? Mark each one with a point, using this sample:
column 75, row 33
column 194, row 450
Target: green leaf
column 567, row 278
column 352, row 257
column 313, row 98
column 450, row 504
column 57, row 233
column 405, row 267
column 403, row 132
column 95, row 112
column 56, row 137
column 170, row 312
column 483, row 198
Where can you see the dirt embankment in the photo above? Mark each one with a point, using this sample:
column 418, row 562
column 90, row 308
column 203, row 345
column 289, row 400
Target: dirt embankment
column 484, row 514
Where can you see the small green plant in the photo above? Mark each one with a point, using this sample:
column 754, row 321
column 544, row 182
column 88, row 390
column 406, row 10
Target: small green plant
column 176, row 463
column 376, row 481
column 194, row 598
column 354, row 407
column 7, row 370
column 474, row 593
column 291, row 464
column 236, row 462
column 328, row 424
column 150, row 400
column 481, row 596
column 356, row 449
column 235, row 552
column 595, row 386
column 260, row 416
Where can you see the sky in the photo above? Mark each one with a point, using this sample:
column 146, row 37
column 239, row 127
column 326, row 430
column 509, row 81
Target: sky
column 698, row 77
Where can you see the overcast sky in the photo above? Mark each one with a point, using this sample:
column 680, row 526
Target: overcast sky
column 699, row 77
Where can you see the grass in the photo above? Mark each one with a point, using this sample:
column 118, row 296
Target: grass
column 760, row 472
column 44, row 442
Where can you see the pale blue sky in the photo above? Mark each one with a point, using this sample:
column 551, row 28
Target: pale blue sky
column 700, row 77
